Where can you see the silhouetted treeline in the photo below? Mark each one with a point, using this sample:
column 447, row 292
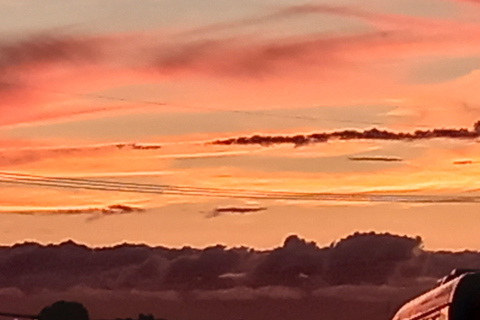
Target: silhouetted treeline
column 361, row 258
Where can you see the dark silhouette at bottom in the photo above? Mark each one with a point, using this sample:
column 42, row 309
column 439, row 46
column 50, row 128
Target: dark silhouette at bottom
column 64, row 310
column 69, row 310
column 142, row 317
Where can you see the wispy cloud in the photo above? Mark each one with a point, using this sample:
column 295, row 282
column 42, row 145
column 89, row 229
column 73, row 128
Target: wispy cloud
column 463, row 162
column 376, row 159
column 469, row 1
column 379, row 20
column 44, row 48
column 234, row 210
column 93, row 212
column 92, row 62
column 137, row 146
column 12, row 156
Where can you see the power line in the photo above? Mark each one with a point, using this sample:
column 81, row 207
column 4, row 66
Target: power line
column 193, row 191
column 116, row 186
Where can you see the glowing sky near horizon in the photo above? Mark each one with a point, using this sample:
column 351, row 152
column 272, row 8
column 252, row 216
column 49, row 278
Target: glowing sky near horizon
column 134, row 91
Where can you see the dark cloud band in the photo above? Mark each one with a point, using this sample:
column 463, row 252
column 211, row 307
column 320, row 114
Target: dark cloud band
column 370, row 134
column 234, row 210
column 376, row 159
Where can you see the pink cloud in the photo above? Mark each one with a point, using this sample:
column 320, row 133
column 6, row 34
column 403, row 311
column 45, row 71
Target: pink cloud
column 57, row 76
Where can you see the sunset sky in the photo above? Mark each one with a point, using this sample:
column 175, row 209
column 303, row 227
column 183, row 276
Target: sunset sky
column 133, row 101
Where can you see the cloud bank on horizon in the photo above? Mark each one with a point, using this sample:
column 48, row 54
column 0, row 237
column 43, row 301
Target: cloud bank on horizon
column 359, row 259
column 386, row 268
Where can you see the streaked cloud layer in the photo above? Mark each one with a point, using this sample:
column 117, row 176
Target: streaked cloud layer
column 358, row 107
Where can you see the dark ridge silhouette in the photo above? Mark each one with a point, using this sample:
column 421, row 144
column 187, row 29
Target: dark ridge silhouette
column 370, row 134
column 64, row 310
column 376, row 159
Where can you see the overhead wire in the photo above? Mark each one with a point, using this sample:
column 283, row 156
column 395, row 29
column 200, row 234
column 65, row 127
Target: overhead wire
column 192, row 191
column 80, row 182
column 117, row 186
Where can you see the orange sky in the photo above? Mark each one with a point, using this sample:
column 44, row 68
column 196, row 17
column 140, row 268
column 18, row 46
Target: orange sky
column 135, row 93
